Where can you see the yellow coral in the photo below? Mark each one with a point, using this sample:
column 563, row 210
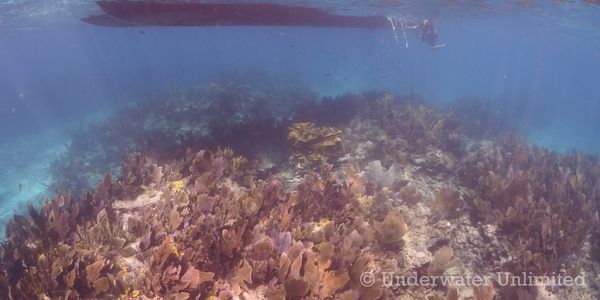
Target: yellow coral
column 312, row 144
column 178, row 185
column 123, row 271
column 129, row 294
column 175, row 251
column 235, row 163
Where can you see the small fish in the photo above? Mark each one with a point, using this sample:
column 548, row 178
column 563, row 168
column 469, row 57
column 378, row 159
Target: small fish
column 20, row 187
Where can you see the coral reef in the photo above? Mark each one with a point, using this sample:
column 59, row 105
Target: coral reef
column 237, row 112
column 314, row 145
column 188, row 230
column 398, row 194
column 376, row 174
column 480, row 120
column 442, row 260
column 447, row 203
column 415, row 126
column 545, row 203
column 391, row 230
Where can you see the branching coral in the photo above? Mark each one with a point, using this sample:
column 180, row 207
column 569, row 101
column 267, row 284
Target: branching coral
column 420, row 126
column 245, row 116
column 392, row 230
column 313, row 145
column 202, row 235
column 546, row 203
column 51, row 251
column 216, row 224
column 447, row 203
column 484, row 292
column 442, row 260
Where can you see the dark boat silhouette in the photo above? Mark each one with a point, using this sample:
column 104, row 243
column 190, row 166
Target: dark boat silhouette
column 146, row 13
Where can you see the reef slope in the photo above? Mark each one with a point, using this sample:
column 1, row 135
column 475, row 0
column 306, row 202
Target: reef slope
column 401, row 190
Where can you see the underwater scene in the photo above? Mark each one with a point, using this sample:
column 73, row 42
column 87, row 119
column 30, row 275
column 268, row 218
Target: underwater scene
column 299, row 149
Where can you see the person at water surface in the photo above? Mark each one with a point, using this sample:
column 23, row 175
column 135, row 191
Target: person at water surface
column 427, row 32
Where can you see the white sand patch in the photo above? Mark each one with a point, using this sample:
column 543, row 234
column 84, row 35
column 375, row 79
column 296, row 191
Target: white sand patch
column 25, row 171
column 147, row 198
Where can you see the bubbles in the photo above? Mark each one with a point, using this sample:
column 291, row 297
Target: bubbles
column 397, row 22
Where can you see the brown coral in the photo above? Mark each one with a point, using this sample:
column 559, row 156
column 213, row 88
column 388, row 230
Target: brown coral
column 192, row 228
column 442, row 260
column 313, row 145
column 526, row 191
column 447, row 203
column 392, row 230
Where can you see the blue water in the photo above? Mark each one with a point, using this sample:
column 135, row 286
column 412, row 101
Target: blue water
column 539, row 62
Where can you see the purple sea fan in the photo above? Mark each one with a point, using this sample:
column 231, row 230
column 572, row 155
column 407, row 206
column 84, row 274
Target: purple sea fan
column 218, row 167
column 274, row 184
column 274, row 192
column 377, row 174
column 281, row 240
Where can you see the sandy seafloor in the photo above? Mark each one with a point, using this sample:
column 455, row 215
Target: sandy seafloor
column 25, row 171
column 26, row 162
